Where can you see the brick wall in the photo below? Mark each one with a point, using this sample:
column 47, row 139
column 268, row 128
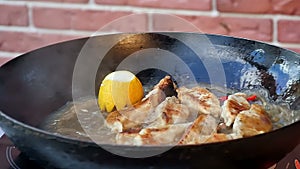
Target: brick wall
column 27, row 25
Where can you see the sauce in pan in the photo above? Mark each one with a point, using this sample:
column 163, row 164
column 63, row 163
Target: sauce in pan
column 83, row 120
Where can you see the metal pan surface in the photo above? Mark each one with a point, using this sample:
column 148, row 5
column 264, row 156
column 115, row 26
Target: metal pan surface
column 39, row 82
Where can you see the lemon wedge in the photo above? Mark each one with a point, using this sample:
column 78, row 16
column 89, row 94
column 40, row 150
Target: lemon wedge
column 118, row 90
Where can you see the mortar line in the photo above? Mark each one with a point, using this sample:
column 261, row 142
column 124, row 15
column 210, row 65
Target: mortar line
column 91, row 2
column 215, row 11
column 54, row 31
column 288, row 45
column 5, row 54
column 259, row 16
column 150, row 22
column 30, row 17
column 45, row 30
column 275, row 30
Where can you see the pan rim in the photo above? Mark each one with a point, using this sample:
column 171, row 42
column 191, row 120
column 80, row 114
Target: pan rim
column 62, row 138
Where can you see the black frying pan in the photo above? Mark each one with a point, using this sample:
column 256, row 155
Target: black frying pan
column 38, row 83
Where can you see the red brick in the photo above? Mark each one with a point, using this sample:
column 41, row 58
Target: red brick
column 207, row 24
column 80, row 19
column 13, row 15
column 23, row 41
column 53, row 18
column 64, row 1
column 95, row 20
column 176, row 4
column 288, row 31
column 295, row 50
column 291, row 7
column 129, row 23
column 244, row 6
column 173, row 23
column 257, row 29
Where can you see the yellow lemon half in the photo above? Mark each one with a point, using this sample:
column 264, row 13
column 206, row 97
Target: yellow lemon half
column 119, row 89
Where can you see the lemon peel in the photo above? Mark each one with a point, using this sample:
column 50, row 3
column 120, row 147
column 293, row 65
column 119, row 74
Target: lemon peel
column 118, row 90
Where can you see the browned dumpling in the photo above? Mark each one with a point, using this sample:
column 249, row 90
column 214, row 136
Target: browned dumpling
column 200, row 100
column 170, row 111
column 193, row 117
column 166, row 135
column 252, row 122
column 200, row 130
column 118, row 123
column 233, row 106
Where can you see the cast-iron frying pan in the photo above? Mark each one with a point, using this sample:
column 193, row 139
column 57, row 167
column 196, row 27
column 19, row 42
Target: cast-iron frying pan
column 38, row 83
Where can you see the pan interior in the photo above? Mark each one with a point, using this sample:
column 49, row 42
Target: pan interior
column 65, row 121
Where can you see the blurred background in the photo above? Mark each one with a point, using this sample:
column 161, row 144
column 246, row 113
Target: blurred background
column 27, row 25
